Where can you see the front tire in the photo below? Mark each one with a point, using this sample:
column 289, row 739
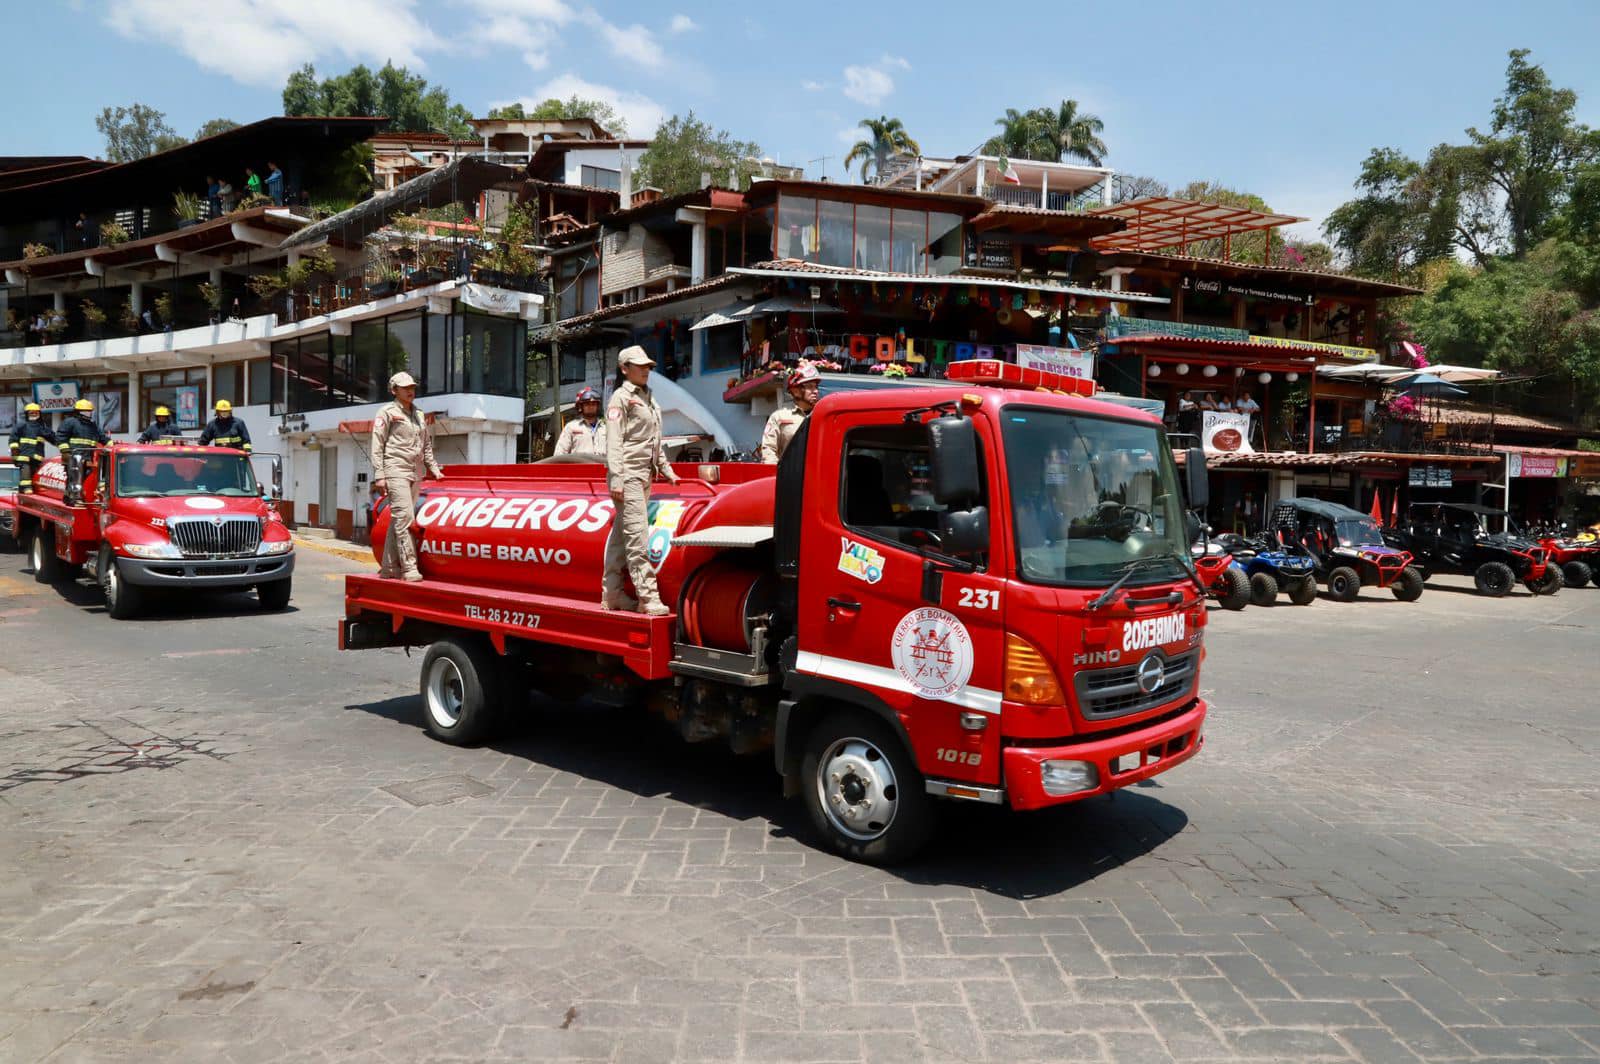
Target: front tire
column 1304, row 592
column 1263, row 589
column 1233, row 589
column 1576, row 574
column 1344, row 584
column 275, row 596
column 124, row 601
column 1408, row 586
column 460, row 691
column 42, row 556
column 863, row 791
column 1494, row 579
column 1548, row 584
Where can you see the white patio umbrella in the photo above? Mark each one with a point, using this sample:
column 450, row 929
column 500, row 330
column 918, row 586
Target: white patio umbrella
column 1461, row 374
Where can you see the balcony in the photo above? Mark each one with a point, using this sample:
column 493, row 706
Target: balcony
column 1022, row 196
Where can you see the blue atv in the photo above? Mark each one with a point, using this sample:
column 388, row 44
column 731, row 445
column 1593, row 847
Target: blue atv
column 1274, row 567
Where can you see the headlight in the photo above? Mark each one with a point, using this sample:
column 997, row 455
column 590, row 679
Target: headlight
column 275, row 546
column 152, row 550
column 1068, row 777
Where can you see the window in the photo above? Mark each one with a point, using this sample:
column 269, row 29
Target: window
column 435, row 375
column 797, row 228
column 600, row 177
column 495, row 349
column 316, row 379
column 227, row 382
column 574, row 367
column 944, row 243
column 260, row 374
column 835, row 233
column 724, row 349
column 369, row 362
column 183, row 391
column 910, row 239
column 886, row 489
column 405, row 345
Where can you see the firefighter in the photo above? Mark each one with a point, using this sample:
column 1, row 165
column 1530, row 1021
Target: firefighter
column 28, row 441
column 161, row 428
column 587, row 434
column 402, row 454
column 803, row 384
column 225, row 430
column 634, row 458
column 78, row 431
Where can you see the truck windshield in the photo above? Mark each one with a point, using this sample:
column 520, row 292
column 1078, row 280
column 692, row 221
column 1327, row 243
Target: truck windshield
column 9, row 475
column 152, row 475
column 1089, row 495
column 1353, row 532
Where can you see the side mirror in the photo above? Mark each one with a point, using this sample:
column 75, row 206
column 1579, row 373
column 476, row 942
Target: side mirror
column 965, row 531
column 1198, row 483
column 953, row 454
column 277, row 478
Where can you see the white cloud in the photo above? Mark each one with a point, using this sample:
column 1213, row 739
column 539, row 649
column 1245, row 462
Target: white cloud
column 260, row 42
column 682, row 24
column 869, row 85
column 899, row 61
column 642, row 113
column 627, row 42
column 812, row 86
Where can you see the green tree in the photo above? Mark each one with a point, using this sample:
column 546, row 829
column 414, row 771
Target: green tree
column 684, row 148
column 1071, row 133
column 1125, row 187
column 215, row 126
column 573, row 107
column 1397, row 223
column 393, row 92
column 1021, row 136
column 135, row 131
column 886, row 137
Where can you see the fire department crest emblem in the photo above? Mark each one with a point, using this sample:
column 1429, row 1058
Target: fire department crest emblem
column 933, row 651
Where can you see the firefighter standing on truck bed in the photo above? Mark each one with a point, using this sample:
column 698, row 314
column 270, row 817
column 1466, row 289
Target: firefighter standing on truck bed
column 78, row 431
column 161, row 428
column 804, row 384
column 587, row 434
column 28, row 441
column 634, row 457
column 225, row 430
column 402, row 454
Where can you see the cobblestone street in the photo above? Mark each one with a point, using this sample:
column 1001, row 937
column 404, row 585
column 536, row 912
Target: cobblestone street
column 223, row 840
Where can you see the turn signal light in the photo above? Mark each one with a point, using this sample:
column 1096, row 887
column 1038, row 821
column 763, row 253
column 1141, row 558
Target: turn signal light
column 1029, row 677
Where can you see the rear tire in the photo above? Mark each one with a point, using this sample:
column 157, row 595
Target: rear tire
column 42, row 556
column 460, row 691
column 1576, row 574
column 1344, row 584
column 1548, row 584
column 1233, row 589
column 275, row 596
column 1304, row 593
column 1263, row 589
column 863, row 791
column 1408, row 586
column 1494, row 579
column 124, row 601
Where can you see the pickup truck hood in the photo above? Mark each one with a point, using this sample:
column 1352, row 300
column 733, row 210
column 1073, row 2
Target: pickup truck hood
column 159, row 511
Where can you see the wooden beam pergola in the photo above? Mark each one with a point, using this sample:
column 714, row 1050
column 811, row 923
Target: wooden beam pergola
column 1156, row 223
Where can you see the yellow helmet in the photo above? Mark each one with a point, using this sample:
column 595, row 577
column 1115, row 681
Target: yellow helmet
column 162, row 411
column 223, row 407
column 83, row 406
column 31, row 408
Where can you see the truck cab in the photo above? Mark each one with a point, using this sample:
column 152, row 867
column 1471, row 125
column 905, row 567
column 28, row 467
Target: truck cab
column 145, row 517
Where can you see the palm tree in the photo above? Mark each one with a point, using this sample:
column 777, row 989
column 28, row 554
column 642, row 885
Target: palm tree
column 1021, row 136
column 888, row 137
column 1071, row 132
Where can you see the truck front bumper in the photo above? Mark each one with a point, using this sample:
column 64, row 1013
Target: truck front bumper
column 1146, row 751
column 206, row 573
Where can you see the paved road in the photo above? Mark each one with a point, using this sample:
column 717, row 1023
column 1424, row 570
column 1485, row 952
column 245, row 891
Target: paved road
column 221, row 840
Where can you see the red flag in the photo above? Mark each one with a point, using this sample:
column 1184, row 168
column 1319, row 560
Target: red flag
column 1394, row 508
column 1377, row 505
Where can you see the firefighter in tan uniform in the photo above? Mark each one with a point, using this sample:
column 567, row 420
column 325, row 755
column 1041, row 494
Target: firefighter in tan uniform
column 804, row 384
column 402, row 454
column 634, row 458
column 587, row 434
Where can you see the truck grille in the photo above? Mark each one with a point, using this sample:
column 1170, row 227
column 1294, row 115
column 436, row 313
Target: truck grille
column 1115, row 692
column 210, row 537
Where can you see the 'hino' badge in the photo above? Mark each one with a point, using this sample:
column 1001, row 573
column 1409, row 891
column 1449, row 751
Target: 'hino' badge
column 1151, row 674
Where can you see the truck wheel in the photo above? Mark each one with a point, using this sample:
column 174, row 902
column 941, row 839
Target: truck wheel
column 42, row 556
column 1549, row 583
column 459, row 691
column 1576, row 574
column 275, row 596
column 1408, row 588
column 123, row 600
column 1344, row 584
column 1304, row 593
column 1494, row 579
column 1263, row 589
column 1233, row 589
column 863, row 790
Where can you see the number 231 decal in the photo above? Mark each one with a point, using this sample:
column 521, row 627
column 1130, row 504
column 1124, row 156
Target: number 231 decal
column 979, row 598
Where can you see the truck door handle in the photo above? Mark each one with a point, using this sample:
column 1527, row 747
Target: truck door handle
column 840, row 605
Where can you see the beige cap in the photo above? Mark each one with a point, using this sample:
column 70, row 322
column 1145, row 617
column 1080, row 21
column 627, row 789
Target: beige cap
column 634, row 356
column 402, row 380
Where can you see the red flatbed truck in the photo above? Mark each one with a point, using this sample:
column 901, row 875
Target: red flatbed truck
column 950, row 592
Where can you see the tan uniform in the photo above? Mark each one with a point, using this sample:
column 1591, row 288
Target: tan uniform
column 634, row 457
column 402, row 450
column 579, row 437
column 781, row 427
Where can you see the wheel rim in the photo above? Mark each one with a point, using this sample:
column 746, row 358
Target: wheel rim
column 857, row 788
column 113, row 583
column 446, row 693
column 38, row 553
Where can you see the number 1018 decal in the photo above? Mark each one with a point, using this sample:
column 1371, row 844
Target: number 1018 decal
column 959, row 757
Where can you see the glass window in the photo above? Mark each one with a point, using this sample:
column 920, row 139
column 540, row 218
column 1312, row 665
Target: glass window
column 835, row 232
column 227, row 382
column 405, row 342
column 574, row 367
column 368, row 361
column 435, row 377
column 724, row 348
column 172, row 390
column 311, row 380
column 495, row 350
column 600, row 177
column 944, row 243
column 283, row 353
column 797, row 228
column 872, row 238
column 887, row 494
column 908, row 249
column 260, row 373
column 151, row 475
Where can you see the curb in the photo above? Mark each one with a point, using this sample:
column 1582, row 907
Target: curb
column 347, row 553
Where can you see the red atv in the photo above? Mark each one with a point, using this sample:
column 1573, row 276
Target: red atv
column 1578, row 559
column 1225, row 579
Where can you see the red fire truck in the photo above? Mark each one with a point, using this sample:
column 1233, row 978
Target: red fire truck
column 954, row 592
column 145, row 517
column 9, row 476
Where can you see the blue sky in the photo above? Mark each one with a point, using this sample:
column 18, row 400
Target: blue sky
column 1282, row 99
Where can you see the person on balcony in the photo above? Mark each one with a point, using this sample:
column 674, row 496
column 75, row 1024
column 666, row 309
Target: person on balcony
column 213, row 198
column 252, row 183
column 226, row 196
column 275, row 184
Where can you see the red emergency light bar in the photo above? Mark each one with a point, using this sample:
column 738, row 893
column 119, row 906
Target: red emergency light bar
column 999, row 374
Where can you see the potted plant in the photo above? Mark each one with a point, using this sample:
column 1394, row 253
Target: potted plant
column 55, row 323
column 126, row 316
column 94, row 318
column 212, row 296
column 269, row 284
column 164, row 308
column 36, row 251
column 188, row 207
column 388, row 280
column 113, row 233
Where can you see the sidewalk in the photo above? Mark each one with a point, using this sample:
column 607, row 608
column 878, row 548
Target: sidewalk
column 350, row 550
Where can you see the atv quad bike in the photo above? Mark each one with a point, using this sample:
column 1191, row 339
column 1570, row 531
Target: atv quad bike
column 1347, row 549
column 1455, row 537
column 1274, row 567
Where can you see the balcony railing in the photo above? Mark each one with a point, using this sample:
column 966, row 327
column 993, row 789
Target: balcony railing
column 1022, row 196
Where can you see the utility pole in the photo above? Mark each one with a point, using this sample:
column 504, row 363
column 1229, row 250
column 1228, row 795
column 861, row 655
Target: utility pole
column 555, row 359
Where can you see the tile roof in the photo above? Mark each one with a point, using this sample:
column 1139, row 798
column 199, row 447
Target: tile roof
column 1311, row 274
column 1462, row 414
column 660, row 299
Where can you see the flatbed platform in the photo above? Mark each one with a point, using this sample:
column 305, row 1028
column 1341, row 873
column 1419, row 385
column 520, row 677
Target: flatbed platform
column 644, row 643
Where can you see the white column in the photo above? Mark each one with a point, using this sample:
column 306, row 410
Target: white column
column 1044, row 190
column 136, row 296
column 697, row 254
column 61, row 302
column 130, row 406
column 981, row 169
column 1108, row 188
